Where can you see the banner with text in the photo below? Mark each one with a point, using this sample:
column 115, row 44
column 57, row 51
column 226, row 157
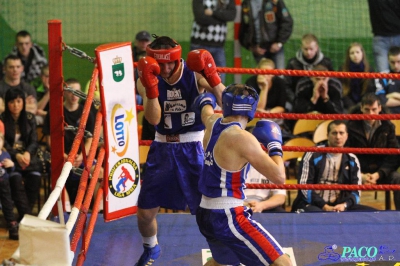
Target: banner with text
column 117, row 90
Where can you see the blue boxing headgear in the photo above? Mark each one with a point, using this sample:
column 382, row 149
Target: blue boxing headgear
column 239, row 99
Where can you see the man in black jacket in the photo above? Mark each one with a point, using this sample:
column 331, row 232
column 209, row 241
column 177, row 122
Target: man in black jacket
column 375, row 168
column 307, row 57
column 330, row 168
column 320, row 94
column 265, row 26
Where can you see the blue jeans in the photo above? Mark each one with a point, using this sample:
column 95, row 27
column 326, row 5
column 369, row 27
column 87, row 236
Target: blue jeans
column 278, row 58
column 380, row 46
column 218, row 54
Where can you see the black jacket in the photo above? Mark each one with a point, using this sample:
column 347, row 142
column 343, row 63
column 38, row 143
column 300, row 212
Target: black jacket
column 276, row 24
column 299, row 63
column 311, row 170
column 384, row 137
column 304, row 92
column 30, row 143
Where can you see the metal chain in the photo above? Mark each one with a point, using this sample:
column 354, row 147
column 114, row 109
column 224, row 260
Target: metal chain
column 86, row 134
column 81, row 95
column 78, row 53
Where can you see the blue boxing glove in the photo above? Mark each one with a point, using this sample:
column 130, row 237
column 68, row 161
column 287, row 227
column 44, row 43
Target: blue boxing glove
column 269, row 134
column 203, row 99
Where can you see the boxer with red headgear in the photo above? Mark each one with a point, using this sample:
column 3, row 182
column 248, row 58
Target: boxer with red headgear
column 169, row 89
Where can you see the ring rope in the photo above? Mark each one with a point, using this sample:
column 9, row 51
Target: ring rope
column 324, row 187
column 309, row 73
column 322, row 149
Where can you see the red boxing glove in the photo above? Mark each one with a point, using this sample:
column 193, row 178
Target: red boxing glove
column 202, row 61
column 149, row 69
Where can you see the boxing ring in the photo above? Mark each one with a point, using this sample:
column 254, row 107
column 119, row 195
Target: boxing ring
column 354, row 237
column 87, row 238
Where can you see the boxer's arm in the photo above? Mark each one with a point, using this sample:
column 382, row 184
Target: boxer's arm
column 204, row 104
column 147, row 85
column 152, row 108
column 204, row 86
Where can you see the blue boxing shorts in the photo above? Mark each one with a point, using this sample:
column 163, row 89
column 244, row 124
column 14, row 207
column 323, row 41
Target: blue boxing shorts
column 172, row 175
column 234, row 237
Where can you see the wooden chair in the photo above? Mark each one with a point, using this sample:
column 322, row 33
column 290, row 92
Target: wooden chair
column 143, row 151
column 139, row 117
column 305, row 127
column 321, row 132
column 397, row 126
column 292, row 157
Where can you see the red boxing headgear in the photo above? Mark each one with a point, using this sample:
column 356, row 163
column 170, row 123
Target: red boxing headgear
column 164, row 50
column 165, row 55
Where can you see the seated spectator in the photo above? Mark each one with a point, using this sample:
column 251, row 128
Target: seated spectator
column 73, row 110
column 43, row 95
column 32, row 56
column 21, row 143
column 12, row 80
column 388, row 90
column 307, row 58
column 330, row 168
column 263, row 200
column 321, row 94
column 6, row 199
column 375, row 168
column 269, row 89
column 353, row 88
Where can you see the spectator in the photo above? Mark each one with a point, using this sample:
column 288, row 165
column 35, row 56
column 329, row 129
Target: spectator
column 168, row 87
column 320, row 94
column 354, row 88
column 385, row 21
column 375, row 168
column 43, row 95
column 265, row 27
column 32, row 56
column 330, row 168
column 21, row 143
column 12, row 80
column 142, row 39
column 307, row 58
column 221, row 216
column 6, row 199
column 388, row 90
column 269, row 88
column 209, row 27
column 263, row 200
column 73, row 110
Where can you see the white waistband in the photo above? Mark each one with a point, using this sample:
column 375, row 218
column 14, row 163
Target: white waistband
column 220, row 203
column 186, row 137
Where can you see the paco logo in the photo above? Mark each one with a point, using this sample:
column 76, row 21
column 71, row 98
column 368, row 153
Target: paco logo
column 329, row 254
column 383, row 253
column 120, row 121
column 358, row 254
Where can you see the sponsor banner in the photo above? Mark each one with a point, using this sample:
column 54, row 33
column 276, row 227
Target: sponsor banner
column 122, row 178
